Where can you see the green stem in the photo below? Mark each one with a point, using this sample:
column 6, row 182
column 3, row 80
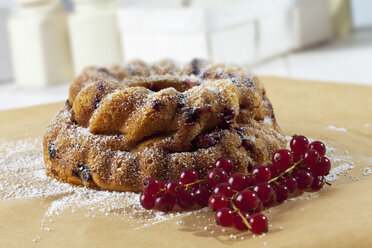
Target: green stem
column 285, row 172
column 235, row 195
column 237, row 210
column 197, row 181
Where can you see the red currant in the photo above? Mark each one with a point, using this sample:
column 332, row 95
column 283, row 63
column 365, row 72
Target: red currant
column 202, row 195
column 189, row 176
column 282, row 159
column 290, row 182
column 271, row 201
column 264, row 191
column 258, row 223
column 323, row 167
column 216, row 176
column 239, row 181
column 165, row 202
column 299, row 144
column 306, row 168
column 311, row 157
column 175, row 188
column 225, row 217
column 282, row 192
column 319, row 147
column 273, row 170
column 296, row 157
column 224, row 189
column 261, row 174
column 147, row 201
column 162, row 185
column 186, row 200
column 217, row 201
column 217, row 191
column 247, row 200
column 224, row 164
column 150, row 186
column 304, row 179
column 318, row 183
column 259, row 208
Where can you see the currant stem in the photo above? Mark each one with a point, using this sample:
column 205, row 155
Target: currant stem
column 233, row 197
column 285, row 172
column 240, row 215
column 197, row 181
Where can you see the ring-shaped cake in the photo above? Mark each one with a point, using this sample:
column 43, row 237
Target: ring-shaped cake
column 121, row 125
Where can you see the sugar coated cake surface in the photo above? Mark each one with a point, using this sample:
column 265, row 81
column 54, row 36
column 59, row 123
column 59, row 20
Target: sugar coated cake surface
column 123, row 124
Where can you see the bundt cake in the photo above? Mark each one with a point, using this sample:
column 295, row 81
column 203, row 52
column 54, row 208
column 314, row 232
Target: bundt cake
column 121, row 125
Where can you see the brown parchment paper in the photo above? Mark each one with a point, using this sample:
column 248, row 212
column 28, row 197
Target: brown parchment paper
column 338, row 216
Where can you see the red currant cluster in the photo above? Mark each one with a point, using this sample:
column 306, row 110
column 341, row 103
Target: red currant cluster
column 239, row 198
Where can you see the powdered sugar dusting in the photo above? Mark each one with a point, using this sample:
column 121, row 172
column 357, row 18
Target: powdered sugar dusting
column 337, row 171
column 22, row 176
column 22, row 172
column 340, row 163
column 340, row 129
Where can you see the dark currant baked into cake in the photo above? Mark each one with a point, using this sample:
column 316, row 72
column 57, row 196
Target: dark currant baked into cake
column 121, row 125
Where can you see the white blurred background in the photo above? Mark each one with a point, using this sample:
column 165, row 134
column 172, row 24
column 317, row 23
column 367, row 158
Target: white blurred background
column 45, row 43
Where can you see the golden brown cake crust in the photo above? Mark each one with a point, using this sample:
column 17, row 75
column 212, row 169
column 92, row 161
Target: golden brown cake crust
column 121, row 125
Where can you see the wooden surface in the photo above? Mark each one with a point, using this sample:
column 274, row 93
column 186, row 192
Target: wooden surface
column 337, row 216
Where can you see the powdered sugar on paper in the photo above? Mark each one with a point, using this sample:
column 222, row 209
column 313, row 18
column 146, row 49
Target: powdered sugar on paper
column 340, row 129
column 22, row 176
